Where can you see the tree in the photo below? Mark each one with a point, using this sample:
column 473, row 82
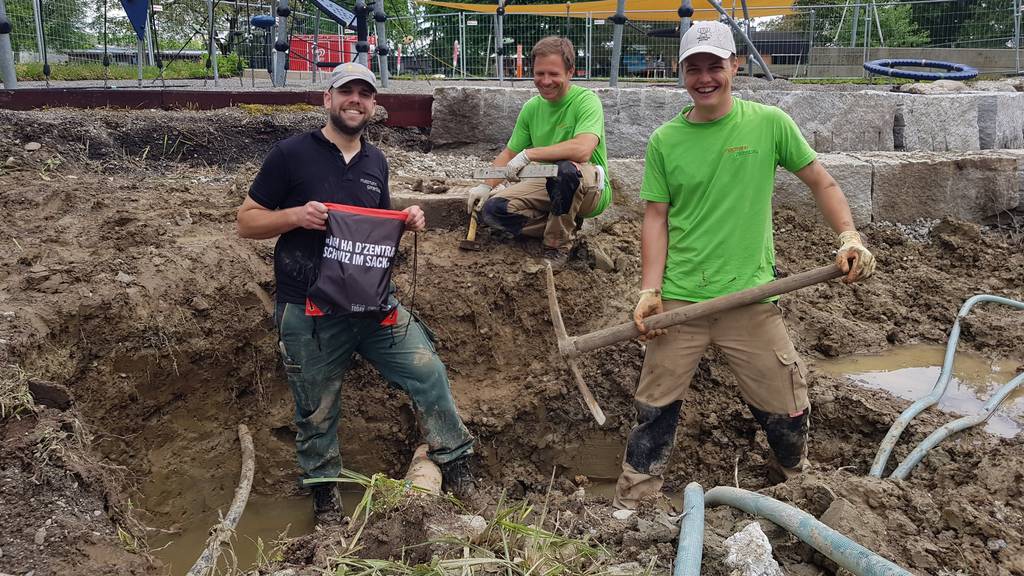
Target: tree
column 65, row 26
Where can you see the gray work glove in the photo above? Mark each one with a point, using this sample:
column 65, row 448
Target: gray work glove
column 515, row 166
column 477, row 196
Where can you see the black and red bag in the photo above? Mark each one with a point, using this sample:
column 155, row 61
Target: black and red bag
column 355, row 265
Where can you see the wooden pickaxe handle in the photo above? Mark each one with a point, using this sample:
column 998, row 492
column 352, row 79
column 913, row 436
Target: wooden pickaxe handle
column 625, row 331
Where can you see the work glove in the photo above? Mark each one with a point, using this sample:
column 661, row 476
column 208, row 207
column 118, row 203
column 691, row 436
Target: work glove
column 515, row 166
column 851, row 247
column 648, row 305
column 477, row 196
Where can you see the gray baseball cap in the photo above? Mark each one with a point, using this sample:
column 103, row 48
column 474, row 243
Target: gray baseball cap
column 707, row 37
column 349, row 71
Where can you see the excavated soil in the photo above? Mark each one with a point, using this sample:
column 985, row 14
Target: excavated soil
column 140, row 321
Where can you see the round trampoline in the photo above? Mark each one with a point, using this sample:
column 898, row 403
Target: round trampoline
column 890, row 67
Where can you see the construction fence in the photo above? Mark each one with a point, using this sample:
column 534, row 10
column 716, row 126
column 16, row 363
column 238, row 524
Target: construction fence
column 807, row 40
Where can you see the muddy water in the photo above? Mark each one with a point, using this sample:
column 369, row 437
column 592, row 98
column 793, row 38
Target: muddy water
column 910, row 372
column 266, row 519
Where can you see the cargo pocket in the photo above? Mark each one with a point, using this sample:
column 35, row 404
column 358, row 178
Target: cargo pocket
column 797, row 369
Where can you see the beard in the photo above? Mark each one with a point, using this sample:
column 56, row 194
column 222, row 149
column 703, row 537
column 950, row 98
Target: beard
column 339, row 124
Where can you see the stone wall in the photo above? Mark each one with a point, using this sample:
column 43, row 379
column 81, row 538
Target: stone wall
column 837, row 121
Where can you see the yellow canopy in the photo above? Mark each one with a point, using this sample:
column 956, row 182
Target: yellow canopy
column 660, row 10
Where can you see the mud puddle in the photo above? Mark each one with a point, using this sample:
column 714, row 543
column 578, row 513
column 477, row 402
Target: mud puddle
column 266, row 520
column 910, row 372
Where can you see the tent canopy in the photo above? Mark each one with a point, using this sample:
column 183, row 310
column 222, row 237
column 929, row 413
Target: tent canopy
column 659, row 10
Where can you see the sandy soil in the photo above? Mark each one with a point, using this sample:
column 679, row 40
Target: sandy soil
column 124, row 287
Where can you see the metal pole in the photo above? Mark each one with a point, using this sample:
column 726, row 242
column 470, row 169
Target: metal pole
column 685, row 20
column 1016, row 32
column 150, row 59
column 853, row 25
column 380, row 25
column 141, row 55
column 619, row 18
column 499, row 41
column 867, row 37
column 810, row 46
column 213, row 45
column 462, row 43
column 362, row 34
column 753, row 49
column 746, row 28
column 37, row 10
column 590, row 42
column 280, row 74
column 316, row 48
column 7, row 74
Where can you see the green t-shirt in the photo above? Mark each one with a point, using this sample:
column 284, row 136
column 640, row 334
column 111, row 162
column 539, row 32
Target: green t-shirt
column 542, row 123
column 717, row 178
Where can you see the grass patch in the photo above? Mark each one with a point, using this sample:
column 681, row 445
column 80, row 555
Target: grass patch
column 268, row 109
column 15, row 398
column 228, row 66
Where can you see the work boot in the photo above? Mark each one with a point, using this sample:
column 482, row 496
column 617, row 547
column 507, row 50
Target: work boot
column 327, row 506
column 457, row 477
column 556, row 257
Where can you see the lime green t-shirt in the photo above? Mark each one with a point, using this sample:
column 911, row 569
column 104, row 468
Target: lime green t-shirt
column 717, row 178
column 542, row 123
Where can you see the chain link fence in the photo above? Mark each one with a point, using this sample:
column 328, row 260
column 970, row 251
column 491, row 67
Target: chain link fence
column 812, row 39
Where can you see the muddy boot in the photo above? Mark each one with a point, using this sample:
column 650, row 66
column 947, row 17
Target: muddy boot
column 787, row 436
column 458, row 478
column 327, row 506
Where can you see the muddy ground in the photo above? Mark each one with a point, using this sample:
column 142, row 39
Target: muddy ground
column 140, row 322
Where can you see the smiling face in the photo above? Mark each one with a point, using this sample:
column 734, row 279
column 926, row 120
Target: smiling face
column 350, row 106
column 551, row 77
column 708, row 80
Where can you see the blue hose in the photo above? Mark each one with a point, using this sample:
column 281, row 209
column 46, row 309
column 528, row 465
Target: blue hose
column 691, row 532
column 915, row 457
column 840, row 549
column 893, row 436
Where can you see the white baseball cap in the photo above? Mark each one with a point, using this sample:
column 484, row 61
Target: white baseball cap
column 707, row 37
column 349, row 71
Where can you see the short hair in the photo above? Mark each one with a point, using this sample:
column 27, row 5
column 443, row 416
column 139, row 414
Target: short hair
column 556, row 46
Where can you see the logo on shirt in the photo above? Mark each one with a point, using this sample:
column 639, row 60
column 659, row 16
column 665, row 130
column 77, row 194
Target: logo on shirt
column 740, row 151
column 371, row 185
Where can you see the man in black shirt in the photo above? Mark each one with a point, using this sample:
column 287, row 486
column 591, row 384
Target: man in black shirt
column 335, row 164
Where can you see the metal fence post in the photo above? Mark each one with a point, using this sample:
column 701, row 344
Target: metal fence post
column 462, row 44
column 853, row 25
column 7, row 72
column 590, row 42
column 1016, row 33
column 213, row 43
column 316, row 47
column 685, row 18
column 37, row 10
column 810, row 47
column 281, row 44
column 620, row 20
column 380, row 25
column 499, row 41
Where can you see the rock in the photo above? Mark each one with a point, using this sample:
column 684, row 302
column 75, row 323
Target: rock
column 622, row 514
column 996, row 544
column 199, row 304
column 184, row 219
column 601, row 260
column 936, row 87
column 40, row 536
column 50, row 394
column 994, row 86
column 11, row 161
column 380, row 114
column 33, row 146
column 750, row 553
column 124, row 278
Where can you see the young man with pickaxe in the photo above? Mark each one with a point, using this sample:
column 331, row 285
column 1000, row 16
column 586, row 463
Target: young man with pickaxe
column 564, row 125
column 289, row 199
column 707, row 231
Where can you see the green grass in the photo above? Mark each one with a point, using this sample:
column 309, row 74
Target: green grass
column 15, row 398
column 514, row 542
column 227, row 67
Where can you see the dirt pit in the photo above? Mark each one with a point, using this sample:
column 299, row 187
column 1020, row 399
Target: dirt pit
column 139, row 321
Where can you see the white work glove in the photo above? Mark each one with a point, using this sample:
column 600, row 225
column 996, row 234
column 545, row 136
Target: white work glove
column 477, row 196
column 515, row 166
column 851, row 247
column 648, row 305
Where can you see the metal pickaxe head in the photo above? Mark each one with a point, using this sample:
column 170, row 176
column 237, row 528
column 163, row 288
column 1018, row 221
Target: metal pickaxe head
column 567, row 349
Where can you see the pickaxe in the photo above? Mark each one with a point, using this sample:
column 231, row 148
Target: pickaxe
column 572, row 346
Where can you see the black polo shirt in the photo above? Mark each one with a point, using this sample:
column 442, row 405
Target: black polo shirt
column 310, row 167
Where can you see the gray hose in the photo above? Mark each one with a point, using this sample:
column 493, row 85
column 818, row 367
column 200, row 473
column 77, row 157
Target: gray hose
column 840, row 549
column 893, row 436
column 691, row 532
column 915, row 457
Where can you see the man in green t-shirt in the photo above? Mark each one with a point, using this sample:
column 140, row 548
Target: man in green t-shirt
column 707, row 231
column 564, row 125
